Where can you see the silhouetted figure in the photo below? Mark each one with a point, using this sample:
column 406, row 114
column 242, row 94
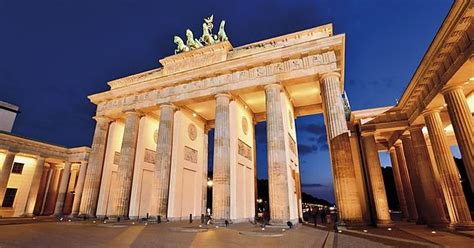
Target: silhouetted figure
column 226, row 223
column 290, row 225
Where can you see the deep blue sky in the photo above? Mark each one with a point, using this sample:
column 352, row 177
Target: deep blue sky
column 54, row 53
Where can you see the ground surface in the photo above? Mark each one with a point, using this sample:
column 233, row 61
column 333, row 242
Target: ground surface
column 89, row 234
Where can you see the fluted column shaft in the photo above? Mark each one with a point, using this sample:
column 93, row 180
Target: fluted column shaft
column 433, row 199
column 204, row 173
column 126, row 163
column 347, row 197
column 461, row 119
column 334, row 106
column 412, row 167
column 277, row 167
column 398, row 183
column 42, row 190
column 376, row 179
column 79, row 188
column 34, row 188
column 90, row 193
column 453, row 193
column 163, row 158
column 407, row 189
column 5, row 173
column 221, row 176
column 62, row 189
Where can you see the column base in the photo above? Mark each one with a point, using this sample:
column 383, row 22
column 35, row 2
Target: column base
column 356, row 223
column 384, row 223
column 463, row 226
column 27, row 215
column 439, row 224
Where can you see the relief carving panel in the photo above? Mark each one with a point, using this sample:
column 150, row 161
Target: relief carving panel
column 245, row 150
column 190, row 154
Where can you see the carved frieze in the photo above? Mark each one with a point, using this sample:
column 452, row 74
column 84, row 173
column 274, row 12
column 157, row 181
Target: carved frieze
column 245, row 150
column 150, row 156
column 155, row 136
column 190, row 154
column 320, row 62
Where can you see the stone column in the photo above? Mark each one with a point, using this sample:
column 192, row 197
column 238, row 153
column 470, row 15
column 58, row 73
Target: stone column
column 163, row 158
column 62, row 189
column 347, row 198
column 50, row 203
column 69, row 194
column 94, row 170
column 277, row 167
column 42, row 190
column 5, row 173
column 34, row 188
column 204, row 172
column 221, row 177
column 78, row 189
column 376, row 179
column 461, row 119
column 453, row 193
column 126, row 162
column 414, row 179
column 433, row 199
column 398, row 183
column 409, row 196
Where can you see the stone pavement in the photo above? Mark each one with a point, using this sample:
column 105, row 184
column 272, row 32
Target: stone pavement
column 128, row 234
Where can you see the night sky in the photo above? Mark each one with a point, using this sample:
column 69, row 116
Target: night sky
column 53, row 54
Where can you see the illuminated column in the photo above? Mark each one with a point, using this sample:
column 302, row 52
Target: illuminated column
column 409, row 197
column 163, row 158
column 94, row 170
column 412, row 168
column 457, row 206
column 376, row 179
column 50, row 203
column 433, row 200
column 461, row 119
column 42, row 189
column 398, row 183
column 34, row 188
column 277, row 167
column 126, row 162
column 221, row 177
column 62, row 189
column 79, row 187
column 347, row 198
column 5, row 173
column 204, row 172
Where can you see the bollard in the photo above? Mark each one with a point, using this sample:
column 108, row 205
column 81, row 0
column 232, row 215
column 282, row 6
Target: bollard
column 202, row 218
column 190, row 218
column 158, row 220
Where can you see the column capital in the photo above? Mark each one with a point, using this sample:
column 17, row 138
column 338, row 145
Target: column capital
column 269, row 86
column 397, row 143
column 451, row 88
column 223, row 94
column 430, row 111
column 392, row 148
column 134, row 112
column 330, row 74
column 102, row 118
column 168, row 106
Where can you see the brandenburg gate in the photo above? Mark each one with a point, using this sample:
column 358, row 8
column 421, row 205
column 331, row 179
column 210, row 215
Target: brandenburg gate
column 149, row 151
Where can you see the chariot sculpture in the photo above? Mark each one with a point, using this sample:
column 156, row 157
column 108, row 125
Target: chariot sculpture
column 207, row 38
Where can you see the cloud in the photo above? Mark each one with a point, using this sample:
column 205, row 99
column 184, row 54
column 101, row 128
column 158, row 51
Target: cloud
column 304, row 149
column 312, row 185
column 313, row 128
